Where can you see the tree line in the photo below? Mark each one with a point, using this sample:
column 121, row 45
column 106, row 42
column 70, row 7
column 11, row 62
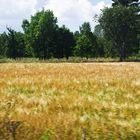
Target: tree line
column 116, row 35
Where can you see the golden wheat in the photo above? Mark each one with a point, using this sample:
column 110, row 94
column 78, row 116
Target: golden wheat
column 70, row 101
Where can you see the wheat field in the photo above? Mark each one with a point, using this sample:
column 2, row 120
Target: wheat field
column 65, row 101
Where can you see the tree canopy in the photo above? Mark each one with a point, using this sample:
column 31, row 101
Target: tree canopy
column 116, row 35
column 121, row 26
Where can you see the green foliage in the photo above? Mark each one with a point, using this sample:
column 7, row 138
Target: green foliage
column 25, row 25
column 120, row 25
column 83, row 47
column 86, row 42
column 45, row 39
column 11, row 43
column 116, row 35
column 126, row 2
column 65, row 43
column 3, row 44
column 85, row 29
column 98, row 31
column 20, row 44
column 46, row 136
column 40, row 31
column 15, row 45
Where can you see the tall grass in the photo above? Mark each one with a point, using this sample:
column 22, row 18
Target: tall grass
column 40, row 101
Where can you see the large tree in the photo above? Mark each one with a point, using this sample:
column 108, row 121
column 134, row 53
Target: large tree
column 11, row 43
column 126, row 2
column 85, row 29
column 84, row 47
column 104, row 48
column 121, row 26
column 3, row 44
column 29, row 51
column 41, row 32
column 86, row 42
column 16, row 45
column 65, row 42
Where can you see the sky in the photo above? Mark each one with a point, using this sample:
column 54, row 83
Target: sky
column 71, row 13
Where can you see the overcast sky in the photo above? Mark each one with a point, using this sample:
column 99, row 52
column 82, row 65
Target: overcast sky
column 72, row 13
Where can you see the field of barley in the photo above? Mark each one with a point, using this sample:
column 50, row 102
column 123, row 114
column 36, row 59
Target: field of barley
column 87, row 101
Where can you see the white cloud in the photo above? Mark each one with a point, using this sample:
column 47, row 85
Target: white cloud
column 73, row 13
column 12, row 12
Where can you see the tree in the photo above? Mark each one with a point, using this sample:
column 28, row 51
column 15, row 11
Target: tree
column 98, row 31
column 121, row 25
column 29, row 51
column 84, row 47
column 86, row 42
column 65, row 42
column 85, row 29
column 126, row 2
column 11, row 43
column 16, row 44
column 3, row 44
column 25, row 26
column 41, row 32
column 104, row 46
column 76, row 35
column 20, row 45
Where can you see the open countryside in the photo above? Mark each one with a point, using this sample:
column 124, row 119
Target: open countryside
column 60, row 81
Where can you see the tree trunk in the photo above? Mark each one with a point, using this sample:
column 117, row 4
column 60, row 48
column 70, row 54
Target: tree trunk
column 122, row 53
